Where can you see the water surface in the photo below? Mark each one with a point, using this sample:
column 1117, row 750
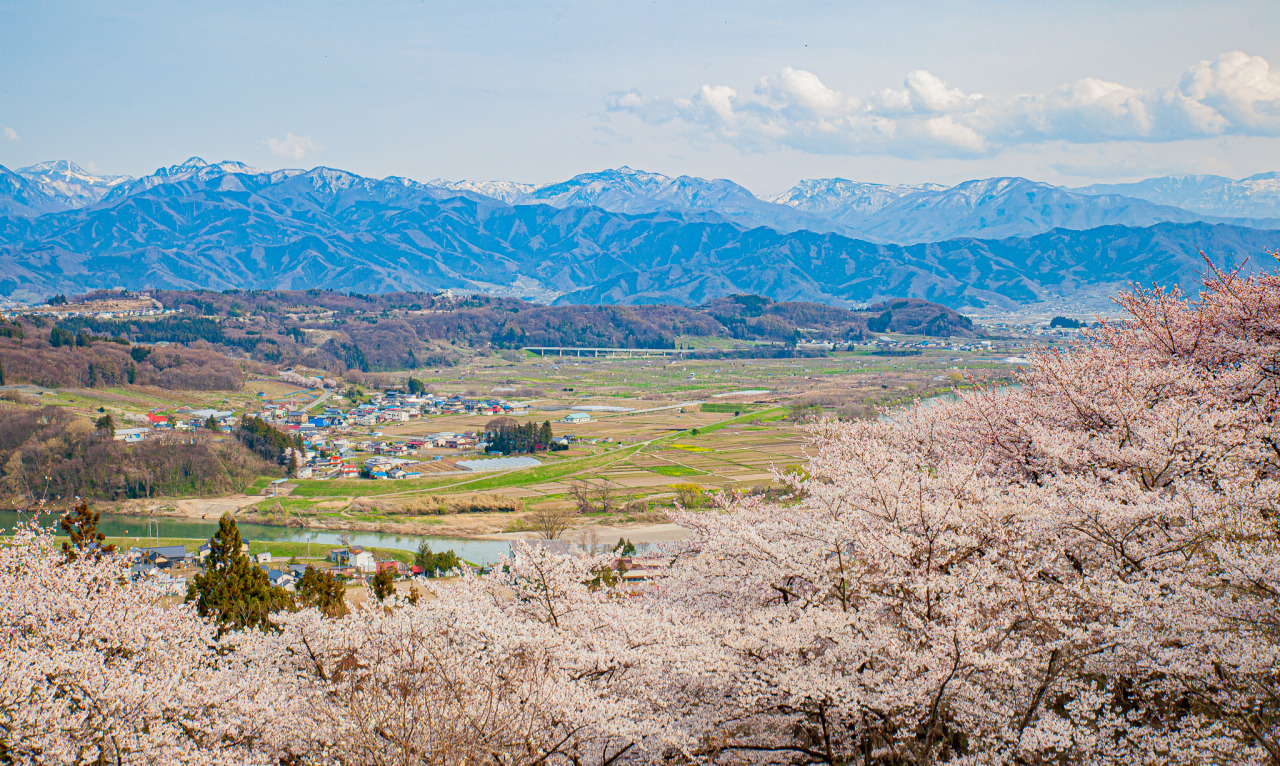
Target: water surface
column 112, row 525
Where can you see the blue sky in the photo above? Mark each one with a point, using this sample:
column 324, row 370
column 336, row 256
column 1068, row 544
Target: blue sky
column 763, row 93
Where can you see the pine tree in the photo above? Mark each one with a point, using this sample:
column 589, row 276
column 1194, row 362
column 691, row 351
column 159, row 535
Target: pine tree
column 211, row 423
column 323, row 591
column 82, row 527
column 384, row 584
column 1, row 373
column 232, row 590
column 546, row 436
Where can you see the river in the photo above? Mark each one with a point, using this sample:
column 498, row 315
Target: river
column 112, row 525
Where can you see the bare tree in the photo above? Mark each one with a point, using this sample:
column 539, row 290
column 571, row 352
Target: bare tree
column 589, row 538
column 581, row 493
column 497, row 424
column 606, row 496
column 551, row 520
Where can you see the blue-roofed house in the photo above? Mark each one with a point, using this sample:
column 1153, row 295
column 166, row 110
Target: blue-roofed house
column 165, row 556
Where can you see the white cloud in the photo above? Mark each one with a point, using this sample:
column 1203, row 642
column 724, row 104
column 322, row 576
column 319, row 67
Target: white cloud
column 9, row 132
column 294, row 147
column 1233, row 95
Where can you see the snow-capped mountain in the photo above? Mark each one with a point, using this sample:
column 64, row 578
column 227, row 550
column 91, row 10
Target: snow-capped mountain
column 843, row 200
column 69, row 183
column 20, row 197
column 1009, row 207
column 193, row 168
column 227, row 225
column 882, row 213
column 627, row 190
column 1257, row 196
column 505, row 191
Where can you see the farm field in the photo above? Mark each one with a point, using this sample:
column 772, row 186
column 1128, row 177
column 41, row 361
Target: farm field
column 661, row 432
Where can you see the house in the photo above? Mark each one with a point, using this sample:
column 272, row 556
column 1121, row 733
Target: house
column 280, row 579
column 165, row 556
column 141, row 570
column 156, row 419
column 203, row 551
column 264, row 557
column 554, row 547
column 131, row 435
column 577, row 417
column 355, row 556
column 395, row 566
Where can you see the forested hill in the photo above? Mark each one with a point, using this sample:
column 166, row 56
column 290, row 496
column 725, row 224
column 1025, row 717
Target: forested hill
column 394, row 331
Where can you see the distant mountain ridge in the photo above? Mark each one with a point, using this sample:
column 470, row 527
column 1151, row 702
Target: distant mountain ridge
column 685, row 240
column 70, row 184
column 1256, row 196
column 902, row 214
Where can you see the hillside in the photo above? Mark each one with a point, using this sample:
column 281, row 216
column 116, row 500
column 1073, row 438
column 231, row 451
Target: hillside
column 396, row 331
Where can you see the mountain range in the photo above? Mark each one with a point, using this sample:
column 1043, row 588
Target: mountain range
column 618, row 236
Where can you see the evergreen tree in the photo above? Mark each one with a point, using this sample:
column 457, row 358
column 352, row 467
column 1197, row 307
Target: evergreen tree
column 624, row 547
column 430, row 562
column 232, row 590
column 384, row 584
column 323, row 591
column 82, row 527
column 1, row 373
column 545, row 436
column 106, row 424
column 61, row 337
column 211, row 423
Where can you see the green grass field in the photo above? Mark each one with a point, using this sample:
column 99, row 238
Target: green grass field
column 280, row 550
column 676, row 470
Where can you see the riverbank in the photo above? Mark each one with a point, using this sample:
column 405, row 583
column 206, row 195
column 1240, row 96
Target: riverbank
column 467, row 526
column 610, row 534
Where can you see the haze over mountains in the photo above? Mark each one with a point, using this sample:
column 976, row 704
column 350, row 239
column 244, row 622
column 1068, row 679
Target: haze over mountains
column 618, row 236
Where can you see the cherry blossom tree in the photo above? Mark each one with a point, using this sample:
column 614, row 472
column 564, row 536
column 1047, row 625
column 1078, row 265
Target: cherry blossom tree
column 1082, row 569
column 97, row 669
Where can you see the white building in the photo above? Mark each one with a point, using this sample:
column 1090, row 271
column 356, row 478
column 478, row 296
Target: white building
column 130, row 435
column 577, row 417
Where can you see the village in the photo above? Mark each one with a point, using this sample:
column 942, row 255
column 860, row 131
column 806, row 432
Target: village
column 339, row 443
